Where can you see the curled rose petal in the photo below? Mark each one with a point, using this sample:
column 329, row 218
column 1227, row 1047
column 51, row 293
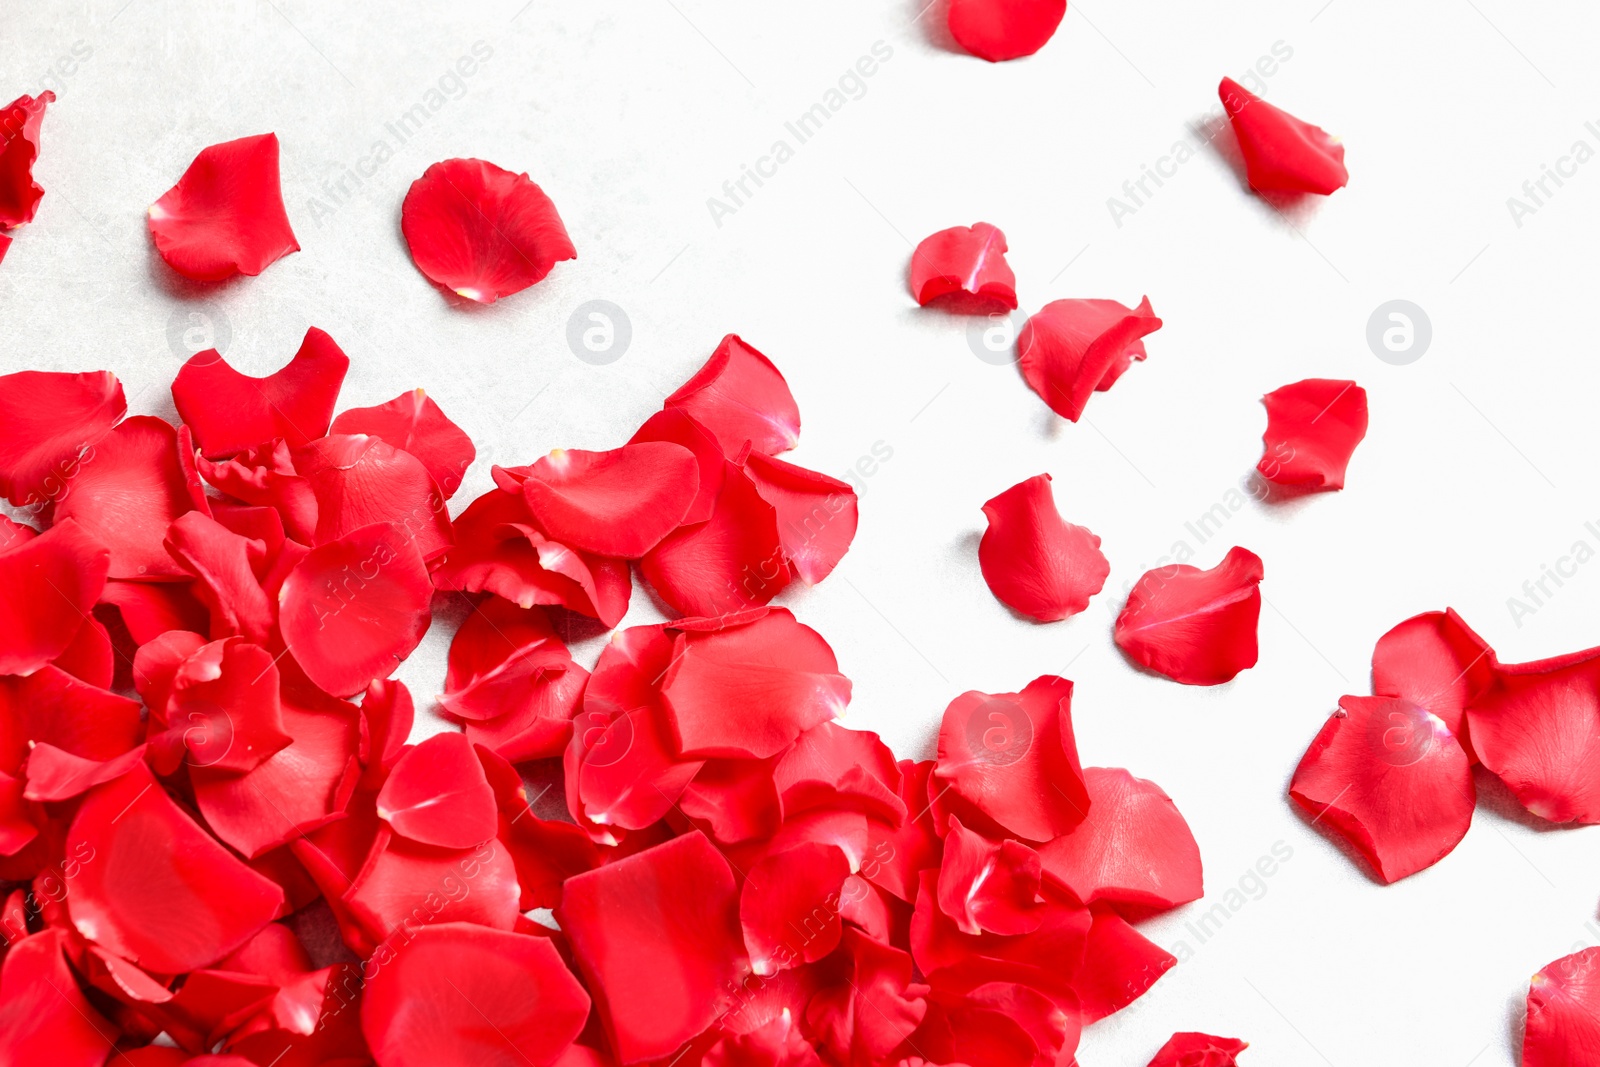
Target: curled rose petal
column 732, row 561
column 657, row 940
column 1195, row 626
column 1134, row 848
column 48, row 584
column 1199, row 1050
column 1537, row 727
column 360, row 480
column 965, row 267
column 831, row 766
column 480, row 231
column 264, row 476
column 1034, row 560
column 1563, row 1028
column 413, row 422
column 49, row 425
column 1281, row 153
column 989, row 886
column 1068, row 348
column 458, row 995
column 223, row 701
column 438, row 795
column 355, row 607
column 742, row 399
column 19, row 148
column 751, row 689
column 224, row 567
column 788, row 907
column 231, row 412
column 816, row 514
column 1313, row 427
column 225, row 216
column 1389, row 778
column 619, row 503
column 1119, row 966
column 504, row 662
column 160, row 892
column 44, row 1016
column 999, row 30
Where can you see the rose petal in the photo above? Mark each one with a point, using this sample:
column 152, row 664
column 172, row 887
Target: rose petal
column 989, row 886
column 47, row 586
column 1281, row 153
column 413, row 422
column 998, row 30
column 831, row 766
column 223, row 564
column 52, row 707
column 872, row 1006
column 360, row 480
column 789, row 906
column 508, row 674
column 405, row 885
column 741, row 398
column 1564, row 1013
column 56, row 774
column 734, row 800
column 964, row 266
column 388, row 713
column 816, row 514
column 619, row 503
column 1537, row 727
column 265, row 476
column 1036, row 562
column 1199, row 1050
column 677, row 426
column 1067, row 348
column 355, row 607
column 225, row 216
column 150, row 609
column 49, row 425
column 734, row 560
column 438, row 795
column 19, row 149
column 231, row 412
column 1119, row 966
column 896, row 855
column 1313, row 427
column 1195, row 626
column 44, row 1017
column 1435, row 661
column 1000, row 1024
column 223, row 700
column 480, row 231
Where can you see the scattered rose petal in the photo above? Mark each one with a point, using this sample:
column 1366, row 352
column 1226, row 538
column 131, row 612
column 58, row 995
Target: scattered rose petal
column 44, row 1016
column 1563, row 1028
column 1199, row 1050
column 49, row 425
column 1069, row 347
column 1313, row 427
column 733, row 561
column 788, row 907
column 742, row 399
column 1537, row 727
column 1195, row 626
column 1035, row 561
column 1281, row 153
column 1119, row 966
column 999, row 30
column 816, row 514
column 225, row 216
column 47, row 586
column 360, row 480
column 965, row 267
column 231, row 412
column 413, row 422
column 989, row 886
column 19, row 148
column 1435, row 661
column 438, row 795
column 618, row 503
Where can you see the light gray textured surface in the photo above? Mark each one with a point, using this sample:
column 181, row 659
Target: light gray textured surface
column 1477, row 473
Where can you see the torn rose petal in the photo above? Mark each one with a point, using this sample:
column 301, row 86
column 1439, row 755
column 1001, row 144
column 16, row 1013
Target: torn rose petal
column 413, row 422
column 1199, row 1050
column 19, row 148
column 998, row 30
column 1195, row 626
column 1563, row 1027
column 231, row 412
column 480, row 231
column 742, row 399
column 225, row 216
column 1313, row 427
column 1068, row 348
column 1281, row 153
column 49, row 425
column 965, row 267
column 1034, row 560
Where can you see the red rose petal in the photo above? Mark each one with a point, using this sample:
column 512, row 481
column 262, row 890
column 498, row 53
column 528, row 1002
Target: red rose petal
column 404, row 884
column 150, row 609
column 52, row 707
column 438, row 795
column 619, row 503
column 1068, row 347
column 998, row 30
column 734, row 560
column 1011, row 760
column 989, row 886
column 264, row 476
column 47, row 586
column 355, row 607
column 480, row 231
column 1001, row 1024
column 388, row 713
column 816, row 514
column 656, row 937
column 1036, row 562
column 1435, row 661
column 19, row 148
column 831, row 766
column 1119, row 966
column 789, row 909
column 361, row 480
column 1537, row 727
column 896, row 855
column 223, row 564
column 1281, row 153
column 677, row 426
column 1195, row 626
column 507, row 673
column 55, row 774
column 225, row 216
column 1199, row 1050
column 872, row 1006
column 232, row 412
column 413, row 422
column 457, row 995
column 741, row 398
column 1563, row 1027
column 1313, row 427
column 44, row 1017
column 780, row 675
column 734, row 800
column 224, row 702
column 160, row 892
column 49, row 424
column 964, row 266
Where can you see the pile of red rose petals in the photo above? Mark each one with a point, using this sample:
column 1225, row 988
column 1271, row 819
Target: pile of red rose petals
column 1391, row 774
column 20, row 121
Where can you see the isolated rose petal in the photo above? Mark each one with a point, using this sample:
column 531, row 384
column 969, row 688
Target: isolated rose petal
column 1435, row 661
column 160, row 892
column 989, row 886
column 480, row 231
column 998, row 30
column 1119, row 966
column 1537, row 727
column 1067, row 348
column 788, row 907
column 438, row 795
column 618, row 503
column 19, row 148
column 1563, row 1028
column 780, row 675
column 732, row 561
column 48, row 584
column 1313, row 427
column 1134, row 848
column 964, row 266
column 1281, row 153
column 742, row 399
column 1199, row 1050
column 355, row 607
column 656, row 937
column 360, row 480
column 413, row 422
column 1195, row 626
column 1034, row 561
column 231, row 412
column 49, row 424
column 44, row 1017
column 1010, row 759
column 816, row 514
column 457, row 995
column 225, row 216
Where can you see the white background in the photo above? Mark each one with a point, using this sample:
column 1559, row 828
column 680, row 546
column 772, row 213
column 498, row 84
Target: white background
column 1477, row 471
